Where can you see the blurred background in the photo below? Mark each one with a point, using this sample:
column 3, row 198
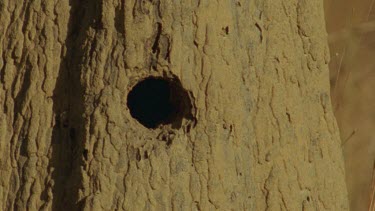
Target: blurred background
column 351, row 37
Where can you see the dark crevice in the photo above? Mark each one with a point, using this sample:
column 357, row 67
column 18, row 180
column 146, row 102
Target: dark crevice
column 2, row 72
column 120, row 18
column 169, row 142
column 138, row 155
column 26, row 82
column 92, row 48
column 226, row 30
column 26, row 16
column 160, row 48
column 68, row 107
column 85, row 154
column 167, row 54
column 155, row 46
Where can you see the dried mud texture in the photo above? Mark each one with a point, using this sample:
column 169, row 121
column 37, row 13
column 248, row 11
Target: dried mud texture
column 262, row 136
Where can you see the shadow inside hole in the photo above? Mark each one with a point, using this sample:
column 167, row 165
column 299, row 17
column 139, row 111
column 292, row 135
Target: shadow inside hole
column 155, row 101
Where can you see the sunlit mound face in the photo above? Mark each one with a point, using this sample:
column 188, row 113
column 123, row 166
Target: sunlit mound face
column 150, row 102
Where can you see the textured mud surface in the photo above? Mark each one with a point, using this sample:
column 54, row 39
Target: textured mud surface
column 261, row 134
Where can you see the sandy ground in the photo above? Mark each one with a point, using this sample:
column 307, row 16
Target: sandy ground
column 351, row 28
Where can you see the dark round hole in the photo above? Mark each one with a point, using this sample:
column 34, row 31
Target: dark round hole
column 155, row 101
column 308, row 198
